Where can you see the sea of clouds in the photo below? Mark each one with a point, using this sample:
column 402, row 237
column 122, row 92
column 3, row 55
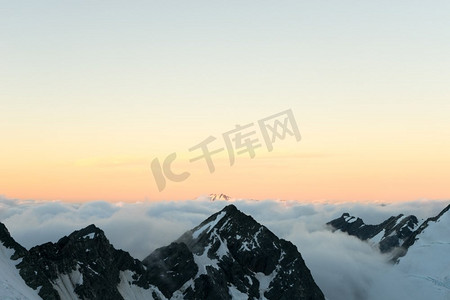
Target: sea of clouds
column 344, row 267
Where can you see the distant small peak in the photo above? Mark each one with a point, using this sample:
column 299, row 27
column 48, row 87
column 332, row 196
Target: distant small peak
column 345, row 215
column 214, row 197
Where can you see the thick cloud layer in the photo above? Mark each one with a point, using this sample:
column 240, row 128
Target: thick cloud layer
column 343, row 266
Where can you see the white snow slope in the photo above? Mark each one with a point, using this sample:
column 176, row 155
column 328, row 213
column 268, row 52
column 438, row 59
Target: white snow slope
column 12, row 286
column 424, row 272
column 428, row 261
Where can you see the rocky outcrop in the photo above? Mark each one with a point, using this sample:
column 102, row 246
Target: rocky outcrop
column 83, row 264
column 227, row 256
column 237, row 256
column 386, row 236
column 395, row 235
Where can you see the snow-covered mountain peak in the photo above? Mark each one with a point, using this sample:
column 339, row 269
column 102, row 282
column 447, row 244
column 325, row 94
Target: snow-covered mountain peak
column 235, row 256
column 214, row 197
column 227, row 256
column 227, row 228
column 82, row 265
column 395, row 235
column 90, row 231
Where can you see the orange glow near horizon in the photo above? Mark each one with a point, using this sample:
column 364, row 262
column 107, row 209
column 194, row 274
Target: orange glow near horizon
column 90, row 95
column 305, row 178
column 343, row 165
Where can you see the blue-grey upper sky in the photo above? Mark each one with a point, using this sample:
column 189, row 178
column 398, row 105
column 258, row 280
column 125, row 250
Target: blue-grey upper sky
column 90, row 80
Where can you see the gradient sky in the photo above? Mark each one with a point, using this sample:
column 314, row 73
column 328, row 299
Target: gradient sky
column 92, row 91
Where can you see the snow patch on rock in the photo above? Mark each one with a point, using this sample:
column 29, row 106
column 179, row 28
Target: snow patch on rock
column 208, row 226
column 130, row 291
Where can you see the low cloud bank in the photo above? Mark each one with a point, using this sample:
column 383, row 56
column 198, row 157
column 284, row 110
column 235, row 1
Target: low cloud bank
column 343, row 266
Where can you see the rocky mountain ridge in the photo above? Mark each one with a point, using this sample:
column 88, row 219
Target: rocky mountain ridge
column 394, row 235
column 228, row 256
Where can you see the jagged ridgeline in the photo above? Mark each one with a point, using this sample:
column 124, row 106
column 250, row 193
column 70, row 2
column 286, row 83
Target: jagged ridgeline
column 395, row 235
column 228, row 256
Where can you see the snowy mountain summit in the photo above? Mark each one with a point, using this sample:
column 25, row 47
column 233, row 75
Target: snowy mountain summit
column 83, row 265
column 234, row 257
column 387, row 235
column 396, row 234
column 215, row 197
column 228, row 256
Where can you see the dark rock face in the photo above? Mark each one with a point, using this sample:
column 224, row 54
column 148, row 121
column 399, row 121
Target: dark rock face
column 413, row 237
column 394, row 230
column 9, row 242
column 170, row 267
column 396, row 234
column 86, row 252
column 227, row 256
column 387, row 235
column 235, row 254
